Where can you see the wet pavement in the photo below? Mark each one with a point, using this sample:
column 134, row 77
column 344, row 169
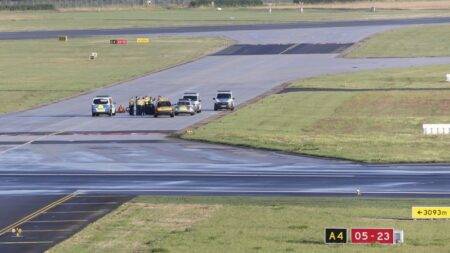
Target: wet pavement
column 55, row 221
column 48, row 153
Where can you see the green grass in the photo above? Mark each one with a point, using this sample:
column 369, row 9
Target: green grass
column 413, row 77
column 370, row 126
column 36, row 72
column 255, row 224
column 52, row 20
column 406, row 42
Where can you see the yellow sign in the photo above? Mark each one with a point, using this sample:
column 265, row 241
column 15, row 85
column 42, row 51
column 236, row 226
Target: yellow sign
column 142, row 40
column 421, row 212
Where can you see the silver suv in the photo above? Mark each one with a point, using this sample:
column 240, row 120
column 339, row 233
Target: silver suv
column 195, row 98
column 224, row 100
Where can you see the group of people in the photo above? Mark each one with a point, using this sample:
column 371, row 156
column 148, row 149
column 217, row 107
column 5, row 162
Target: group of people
column 141, row 106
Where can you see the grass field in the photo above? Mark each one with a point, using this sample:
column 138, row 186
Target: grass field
column 153, row 17
column 35, row 72
column 255, row 224
column 406, row 42
column 386, row 4
column 371, row 126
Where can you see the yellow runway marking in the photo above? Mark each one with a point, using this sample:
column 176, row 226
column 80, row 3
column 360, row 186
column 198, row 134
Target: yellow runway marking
column 36, row 213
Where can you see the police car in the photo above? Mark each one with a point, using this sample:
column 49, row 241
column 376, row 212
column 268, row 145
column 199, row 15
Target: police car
column 103, row 105
column 224, row 100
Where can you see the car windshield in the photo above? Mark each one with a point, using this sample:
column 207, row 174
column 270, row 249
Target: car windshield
column 101, row 101
column 164, row 103
column 183, row 103
column 193, row 98
column 224, row 96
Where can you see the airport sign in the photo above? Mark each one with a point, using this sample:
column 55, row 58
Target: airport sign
column 420, row 212
column 335, row 235
column 142, row 40
column 372, row 235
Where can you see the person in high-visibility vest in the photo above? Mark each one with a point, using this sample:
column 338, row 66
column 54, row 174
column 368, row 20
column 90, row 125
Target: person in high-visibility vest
column 140, row 106
column 147, row 101
column 131, row 106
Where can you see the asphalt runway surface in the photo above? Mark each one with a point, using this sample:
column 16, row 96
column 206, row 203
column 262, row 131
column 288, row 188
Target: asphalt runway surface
column 271, row 49
column 57, row 220
column 218, row 28
column 155, row 164
column 59, row 149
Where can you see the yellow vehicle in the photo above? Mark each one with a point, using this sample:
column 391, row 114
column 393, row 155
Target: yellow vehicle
column 164, row 107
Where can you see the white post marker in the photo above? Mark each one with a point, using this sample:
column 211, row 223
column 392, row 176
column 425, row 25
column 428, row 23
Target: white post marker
column 436, row 129
column 399, row 237
column 270, row 8
column 448, row 77
column 93, row 56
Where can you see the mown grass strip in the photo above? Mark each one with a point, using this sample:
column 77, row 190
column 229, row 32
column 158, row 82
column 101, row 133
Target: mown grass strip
column 248, row 224
column 36, row 72
column 369, row 126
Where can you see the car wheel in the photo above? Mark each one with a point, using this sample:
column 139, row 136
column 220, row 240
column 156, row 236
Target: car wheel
column 155, row 115
column 172, row 115
column 215, row 108
column 93, row 115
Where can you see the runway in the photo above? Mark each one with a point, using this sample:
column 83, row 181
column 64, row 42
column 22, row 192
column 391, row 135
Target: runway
column 216, row 28
column 59, row 149
column 153, row 163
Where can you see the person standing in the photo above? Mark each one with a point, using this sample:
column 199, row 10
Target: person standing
column 131, row 106
column 140, row 106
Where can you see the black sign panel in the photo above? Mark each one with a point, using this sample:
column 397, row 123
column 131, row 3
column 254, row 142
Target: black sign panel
column 335, row 235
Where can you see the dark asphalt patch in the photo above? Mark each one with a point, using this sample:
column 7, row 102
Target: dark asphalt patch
column 60, row 222
column 328, row 48
column 272, row 49
column 14, row 207
column 244, row 49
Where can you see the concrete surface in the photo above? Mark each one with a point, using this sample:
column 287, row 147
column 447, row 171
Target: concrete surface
column 60, row 148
